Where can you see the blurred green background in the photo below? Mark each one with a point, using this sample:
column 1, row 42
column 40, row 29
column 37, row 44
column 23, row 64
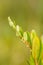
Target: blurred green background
column 29, row 15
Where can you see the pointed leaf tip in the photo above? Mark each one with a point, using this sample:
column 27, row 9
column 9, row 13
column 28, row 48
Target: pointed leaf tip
column 10, row 22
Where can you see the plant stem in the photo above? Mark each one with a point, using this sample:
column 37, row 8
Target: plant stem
column 36, row 62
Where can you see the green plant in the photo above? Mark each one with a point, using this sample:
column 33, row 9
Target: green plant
column 32, row 41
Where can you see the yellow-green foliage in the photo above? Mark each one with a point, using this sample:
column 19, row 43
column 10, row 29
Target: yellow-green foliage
column 32, row 41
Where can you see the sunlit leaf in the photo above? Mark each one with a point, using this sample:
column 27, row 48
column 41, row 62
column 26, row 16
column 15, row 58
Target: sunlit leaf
column 35, row 47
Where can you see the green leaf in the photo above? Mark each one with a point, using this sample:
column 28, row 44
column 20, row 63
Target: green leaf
column 26, row 37
column 35, row 47
column 41, row 54
column 40, row 51
column 31, row 60
column 42, row 41
column 41, row 62
column 32, row 35
column 19, row 31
